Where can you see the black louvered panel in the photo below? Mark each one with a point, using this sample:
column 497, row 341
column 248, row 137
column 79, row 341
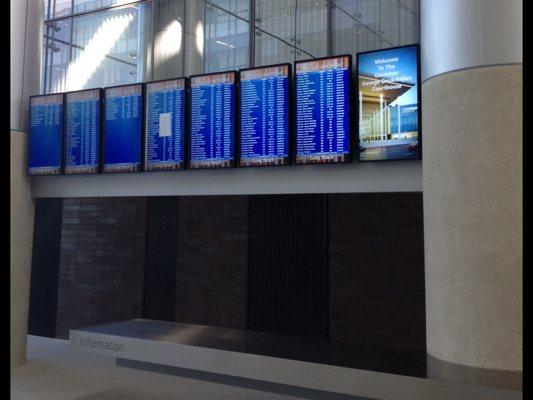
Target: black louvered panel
column 45, row 267
column 161, row 258
column 288, row 287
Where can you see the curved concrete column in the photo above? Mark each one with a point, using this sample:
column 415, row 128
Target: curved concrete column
column 21, row 238
column 472, row 185
column 26, row 44
column 458, row 34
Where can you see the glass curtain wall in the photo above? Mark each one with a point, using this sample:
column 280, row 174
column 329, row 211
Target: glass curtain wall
column 289, row 30
column 364, row 25
column 96, row 43
column 227, row 35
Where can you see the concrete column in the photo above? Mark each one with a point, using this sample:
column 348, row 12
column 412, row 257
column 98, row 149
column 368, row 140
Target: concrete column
column 194, row 37
column 169, row 38
column 472, row 185
column 26, row 44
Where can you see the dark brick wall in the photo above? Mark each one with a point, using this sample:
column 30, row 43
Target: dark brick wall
column 376, row 269
column 211, row 278
column 101, row 269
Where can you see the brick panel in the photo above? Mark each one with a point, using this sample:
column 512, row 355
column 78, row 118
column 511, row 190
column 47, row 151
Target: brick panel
column 376, row 267
column 101, row 271
column 211, row 278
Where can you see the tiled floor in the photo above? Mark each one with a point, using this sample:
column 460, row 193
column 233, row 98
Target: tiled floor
column 53, row 372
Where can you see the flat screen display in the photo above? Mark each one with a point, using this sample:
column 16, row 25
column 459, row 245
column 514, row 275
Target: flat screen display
column 323, row 131
column 165, row 125
column 264, row 116
column 82, row 138
column 123, row 128
column 212, row 122
column 388, row 101
column 46, row 135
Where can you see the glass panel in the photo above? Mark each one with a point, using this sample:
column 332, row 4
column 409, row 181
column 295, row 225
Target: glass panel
column 169, row 38
column 226, row 35
column 408, row 31
column 275, row 24
column 389, row 22
column 60, row 8
column 240, row 8
column 311, row 29
column 109, row 47
column 58, row 54
column 363, row 25
column 89, row 5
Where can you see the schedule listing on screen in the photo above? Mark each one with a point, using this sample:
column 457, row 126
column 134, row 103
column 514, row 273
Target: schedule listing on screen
column 82, row 137
column 165, row 125
column 46, row 134
column 123, row 128
column 264, row 116
column 323, row 131
column 212, row 122
column 389, row 104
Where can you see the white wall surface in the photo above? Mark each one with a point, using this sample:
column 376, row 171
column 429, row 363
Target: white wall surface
column 404, row 176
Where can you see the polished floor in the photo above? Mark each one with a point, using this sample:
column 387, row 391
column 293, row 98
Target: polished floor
column 53, row 372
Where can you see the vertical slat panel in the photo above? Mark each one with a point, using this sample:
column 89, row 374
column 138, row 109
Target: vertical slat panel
column 161, row 254
column 45, row 267
column 288, row 290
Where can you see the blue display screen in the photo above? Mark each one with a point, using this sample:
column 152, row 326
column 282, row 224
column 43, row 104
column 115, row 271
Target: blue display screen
column 123, row 128
column 82, row 147
column 323, row 111
column 212, row 121
column 388, row 104
column 264, row 116
column 46, row 135
column 165, row 125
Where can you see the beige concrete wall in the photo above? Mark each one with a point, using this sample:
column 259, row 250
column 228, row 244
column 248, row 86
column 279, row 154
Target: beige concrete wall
column 472, row 179
column 26, row 44
column 22, row 209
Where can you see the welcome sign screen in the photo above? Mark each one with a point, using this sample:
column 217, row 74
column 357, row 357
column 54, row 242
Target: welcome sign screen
column 388, row 104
